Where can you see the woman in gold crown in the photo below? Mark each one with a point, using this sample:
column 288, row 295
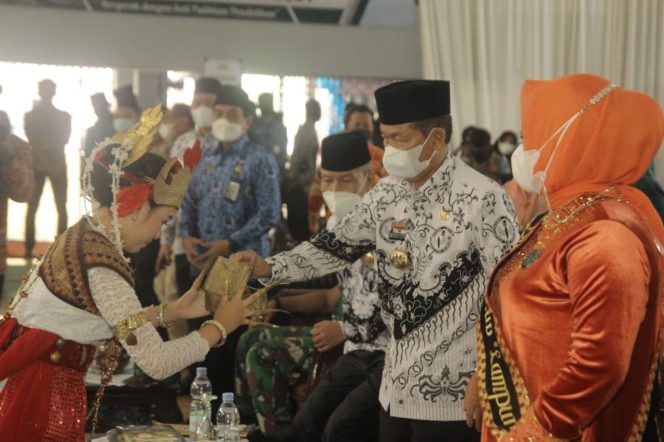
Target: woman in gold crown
column 81, row 294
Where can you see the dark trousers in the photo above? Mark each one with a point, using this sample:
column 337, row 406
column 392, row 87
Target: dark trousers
column 59, row 184
column 182, row 274
column 396, row 429
column 344, row 406
column 144, row 264
column 296, row 199
column 220, row 363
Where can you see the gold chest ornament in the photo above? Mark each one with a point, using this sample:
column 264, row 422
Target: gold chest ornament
column 399, row 258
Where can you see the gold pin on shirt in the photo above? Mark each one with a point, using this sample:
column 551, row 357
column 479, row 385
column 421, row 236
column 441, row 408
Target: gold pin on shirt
column 399, row 259
column 443, row 216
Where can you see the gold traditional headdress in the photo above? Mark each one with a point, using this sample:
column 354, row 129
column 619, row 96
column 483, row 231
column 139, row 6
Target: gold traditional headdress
column 141, row 134
column 169, row 186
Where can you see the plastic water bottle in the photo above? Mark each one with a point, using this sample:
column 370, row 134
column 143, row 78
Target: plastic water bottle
column 201, row 385
column 228, row 420
column 205, row 431
column 197, row 415
column 201, row 388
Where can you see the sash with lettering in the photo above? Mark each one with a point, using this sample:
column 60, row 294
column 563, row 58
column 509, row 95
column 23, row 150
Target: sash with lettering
column 503, row 394
column 502, row 390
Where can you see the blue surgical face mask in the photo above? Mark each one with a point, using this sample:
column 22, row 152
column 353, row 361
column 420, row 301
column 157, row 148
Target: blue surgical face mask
column 121, row 125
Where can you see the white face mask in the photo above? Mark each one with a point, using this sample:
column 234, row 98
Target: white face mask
column 405, row 164
column 225, row 131
column 165, row 131
column 122, row 124
column 523, row 164
column 505, row 148
column 524, row 161
column 202, row 116
column 340, row 203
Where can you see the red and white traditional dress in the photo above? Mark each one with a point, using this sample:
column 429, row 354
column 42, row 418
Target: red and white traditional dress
column 81, row 290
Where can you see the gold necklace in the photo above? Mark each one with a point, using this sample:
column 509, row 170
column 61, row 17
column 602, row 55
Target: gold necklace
column 589, row 201
column 534, row 239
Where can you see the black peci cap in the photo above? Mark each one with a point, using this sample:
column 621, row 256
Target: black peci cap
column 99, row 99
column 207, row 85
column 235, row 96
column 414, row 100
column 124, row 95
column 345, row 151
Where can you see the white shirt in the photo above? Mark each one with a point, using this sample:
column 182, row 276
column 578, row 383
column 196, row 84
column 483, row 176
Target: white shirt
column 459, row 224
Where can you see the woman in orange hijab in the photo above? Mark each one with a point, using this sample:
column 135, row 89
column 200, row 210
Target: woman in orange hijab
column 568, row 340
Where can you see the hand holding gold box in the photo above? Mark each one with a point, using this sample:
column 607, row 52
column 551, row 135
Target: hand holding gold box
column 223, row 280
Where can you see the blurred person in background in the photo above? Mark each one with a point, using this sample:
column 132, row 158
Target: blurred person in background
column 176, row 121
column 17, row 181
column 479, row 154
column 302, row 172
column 505, row 146
column 465, row 140
column 269, row 131
column 127, row 110
column 103, row 127
column 202, row 104
column 48, row 130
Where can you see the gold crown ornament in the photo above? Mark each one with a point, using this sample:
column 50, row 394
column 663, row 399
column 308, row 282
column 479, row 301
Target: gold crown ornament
column 173, row 179
column 141, row 134
column 168, row 188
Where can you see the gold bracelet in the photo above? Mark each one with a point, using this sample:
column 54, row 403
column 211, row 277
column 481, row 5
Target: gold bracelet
column 126, row 327
column 160, row 317
column 221, row 328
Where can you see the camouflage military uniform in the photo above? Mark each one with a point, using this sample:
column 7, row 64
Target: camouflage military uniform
column 269, row 362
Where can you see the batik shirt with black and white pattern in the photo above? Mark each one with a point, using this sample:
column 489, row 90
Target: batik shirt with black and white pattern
column 363, row 323
column 458, row 225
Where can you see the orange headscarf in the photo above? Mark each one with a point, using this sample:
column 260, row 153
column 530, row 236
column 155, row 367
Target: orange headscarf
column 611, row 144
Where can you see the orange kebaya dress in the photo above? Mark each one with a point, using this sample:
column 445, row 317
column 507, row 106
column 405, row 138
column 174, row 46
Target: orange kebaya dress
column 568, row 339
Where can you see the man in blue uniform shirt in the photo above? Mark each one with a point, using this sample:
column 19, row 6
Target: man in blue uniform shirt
column 232, row 202
column 233, row 198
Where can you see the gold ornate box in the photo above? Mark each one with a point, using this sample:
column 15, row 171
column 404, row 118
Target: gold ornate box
column 224, row 279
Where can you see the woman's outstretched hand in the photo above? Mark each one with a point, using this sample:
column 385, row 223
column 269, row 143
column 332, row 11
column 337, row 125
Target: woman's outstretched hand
column 236, row 312
column 192, row 304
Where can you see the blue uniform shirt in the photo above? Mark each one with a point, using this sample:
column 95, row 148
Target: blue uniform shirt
column 233, row 195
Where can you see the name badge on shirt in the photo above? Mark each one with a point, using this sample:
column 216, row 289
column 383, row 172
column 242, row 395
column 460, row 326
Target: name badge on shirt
column 398, row 231
column 233, row 190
